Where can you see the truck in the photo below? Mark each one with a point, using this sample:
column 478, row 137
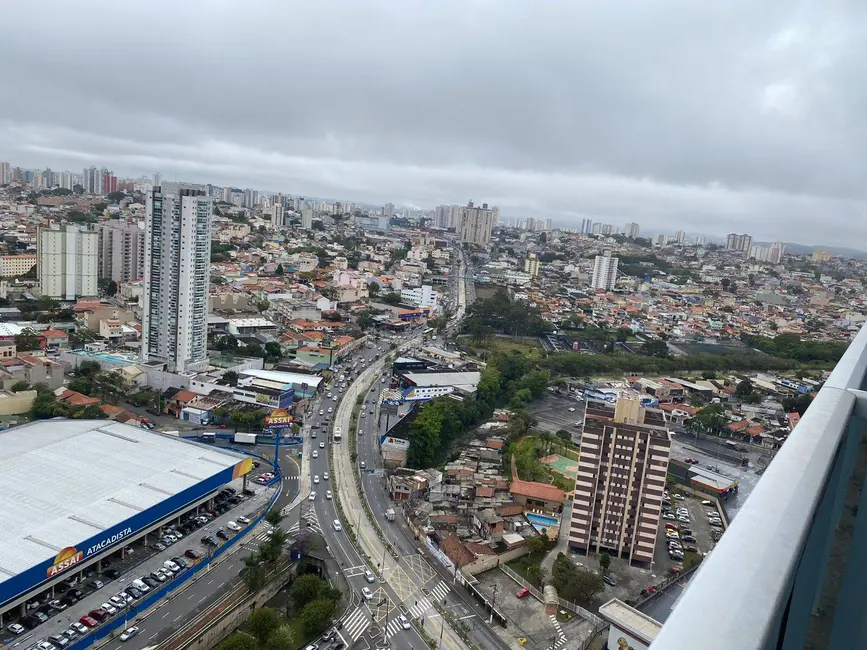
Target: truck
column 389, row 514
column 246, row 438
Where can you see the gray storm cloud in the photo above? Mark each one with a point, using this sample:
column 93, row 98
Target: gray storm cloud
column 677, row 114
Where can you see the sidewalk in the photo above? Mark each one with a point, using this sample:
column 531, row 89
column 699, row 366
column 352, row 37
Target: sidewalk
column 562, row 539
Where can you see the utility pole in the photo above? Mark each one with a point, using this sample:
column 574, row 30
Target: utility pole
column 493, row 605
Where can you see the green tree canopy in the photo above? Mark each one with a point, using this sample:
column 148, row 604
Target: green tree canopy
column 306, row 589
column 317, row 614
column 263, row 622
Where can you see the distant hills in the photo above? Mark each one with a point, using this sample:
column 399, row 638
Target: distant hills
column 837, row 251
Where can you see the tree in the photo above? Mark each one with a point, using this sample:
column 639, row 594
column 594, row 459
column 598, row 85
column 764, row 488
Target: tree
column 365, row 320
column 274, row 517
column 711, row 419
column 574, row 583
column 253, row 573
column 90, row 412
column 744, row 389
column 273, row 351
column 316, row 615
column 238, row 641
column 604, row 563
column 373, row 289
column 279, row 270
column 19, row 386
column 81, row 385
column 263, row 622
column 655, row 348
column 116, row 197
column 306, row 589
column 726, row 283
column 800, row 403
column 88, row 369
column 77, row 189
column 391, row 298
column 231, row 378
column 283, row 638
column 537, row 544
column 111, row 289
column 28, row 340
column 226, row 342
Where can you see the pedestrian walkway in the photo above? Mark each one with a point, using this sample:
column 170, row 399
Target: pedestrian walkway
column 561, row 637
column 440, row 591
column 394, row 626
column 310, row 523
column 419, row 608
column 356, row 623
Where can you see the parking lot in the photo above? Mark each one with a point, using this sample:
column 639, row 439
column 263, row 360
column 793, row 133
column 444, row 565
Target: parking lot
column 526, row 616
column 552, row 414
column 142, row 559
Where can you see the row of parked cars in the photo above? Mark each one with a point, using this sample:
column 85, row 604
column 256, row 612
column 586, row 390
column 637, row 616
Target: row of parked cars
column 96, row 617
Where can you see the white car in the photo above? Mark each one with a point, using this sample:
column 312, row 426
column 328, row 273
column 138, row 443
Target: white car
column 128, row 633
column 321, row 412
column 111, row 609
column 337, row 525
column 328, row 494
column 404, row 622
column 312, row 497
column 367, row 593
column 322, row 445
column 171, row 566
column 315, row 453
column 361, row 432
column 125, row 597
column 16, row 629
column 243, row 520
column 316, row 478
column 118, row 602
column 368, row 575
column 325, row 476
column 571, row 409
column 79, row 627
column 363, row 414
column 679, row 497
column 45, row 645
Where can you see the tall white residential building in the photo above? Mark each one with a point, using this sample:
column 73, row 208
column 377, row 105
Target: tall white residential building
column 632, row 230
column 680, row 236
column 735, row 242
column 276, row 212
column 5, row 173
column 388, row 210
column 121, row 251
column 477, row 224
column 604, row 272
column 177, row 265
column 68, row 261
column 307, row 218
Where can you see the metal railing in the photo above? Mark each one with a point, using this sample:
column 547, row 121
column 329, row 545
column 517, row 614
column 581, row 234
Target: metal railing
column 777, row 575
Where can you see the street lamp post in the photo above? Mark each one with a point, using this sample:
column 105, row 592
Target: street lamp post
column 493, row 605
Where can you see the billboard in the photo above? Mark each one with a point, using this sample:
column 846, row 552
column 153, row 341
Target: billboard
column 279, row 419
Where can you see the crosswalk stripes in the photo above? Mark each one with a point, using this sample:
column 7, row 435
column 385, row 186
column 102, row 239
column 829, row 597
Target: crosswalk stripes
column 356, row 623
column 440, row 591
column 310, row 522
column 561, row 638
column 419, row 608
column 392, row 628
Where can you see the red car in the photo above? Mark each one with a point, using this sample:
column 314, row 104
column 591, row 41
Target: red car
column 88, row 621
column 522, row 593
column 193, row 555
column 651, row 589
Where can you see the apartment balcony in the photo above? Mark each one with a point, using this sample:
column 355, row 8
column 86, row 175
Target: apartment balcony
column 791, row 571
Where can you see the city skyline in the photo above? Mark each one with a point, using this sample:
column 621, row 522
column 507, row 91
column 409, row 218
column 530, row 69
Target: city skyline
column 745, row 130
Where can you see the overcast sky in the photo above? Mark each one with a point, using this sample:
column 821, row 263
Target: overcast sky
column 744, row 115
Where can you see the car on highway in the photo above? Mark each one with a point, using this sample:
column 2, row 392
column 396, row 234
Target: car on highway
column 362, row 464
column 368, row 575
column 316, row 478
column 321, row 412
column 322, row 445
column 325, row 476
column 367, row 593
column 523, row 592
column 128, row 633
column 328, row 494
column 312, row 496
column 404, row 622
column 336, row 525
column 315, row 453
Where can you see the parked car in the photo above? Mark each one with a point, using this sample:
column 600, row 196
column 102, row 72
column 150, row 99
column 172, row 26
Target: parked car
column 88, row 621
column 16, row 629
column 78, row 627
column 523, row 592
column 608, row 580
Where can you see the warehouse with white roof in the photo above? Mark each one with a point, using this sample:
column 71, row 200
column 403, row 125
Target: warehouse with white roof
column 75, row 491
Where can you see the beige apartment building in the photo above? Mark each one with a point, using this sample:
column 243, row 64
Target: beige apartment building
column 476, row 224
column 622, row 467
column 12, row 266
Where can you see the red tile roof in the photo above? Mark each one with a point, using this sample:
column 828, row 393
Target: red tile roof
column 540, row 491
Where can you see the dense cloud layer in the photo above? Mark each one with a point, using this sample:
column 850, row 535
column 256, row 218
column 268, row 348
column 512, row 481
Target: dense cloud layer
column 710, row 117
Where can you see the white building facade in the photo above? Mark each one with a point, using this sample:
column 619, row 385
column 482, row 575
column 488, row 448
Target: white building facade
column 177, row 275
column 604, row 272
column 423, row 296
column 68, row 265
